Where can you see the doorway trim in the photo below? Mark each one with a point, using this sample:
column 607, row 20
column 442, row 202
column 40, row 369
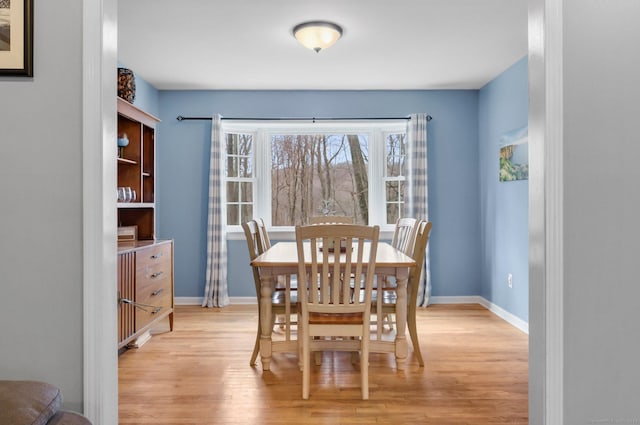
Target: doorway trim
column 100, row 369
column 546, row 227
column 100, row 357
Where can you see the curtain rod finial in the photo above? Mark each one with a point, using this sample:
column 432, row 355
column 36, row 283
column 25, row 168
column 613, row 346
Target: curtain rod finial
column 179, row 117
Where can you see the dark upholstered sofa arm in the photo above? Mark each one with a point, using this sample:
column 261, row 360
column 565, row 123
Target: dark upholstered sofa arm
column 34, row 403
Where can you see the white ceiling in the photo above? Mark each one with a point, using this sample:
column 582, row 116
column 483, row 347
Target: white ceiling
column 387, row 44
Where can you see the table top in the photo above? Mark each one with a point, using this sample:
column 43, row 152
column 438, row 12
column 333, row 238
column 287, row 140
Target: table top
column 285, row 254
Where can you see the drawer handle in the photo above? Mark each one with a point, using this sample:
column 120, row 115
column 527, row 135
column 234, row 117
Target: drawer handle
column 156, row 256
column 157, row 292
column 156, row 274
column 141, row 306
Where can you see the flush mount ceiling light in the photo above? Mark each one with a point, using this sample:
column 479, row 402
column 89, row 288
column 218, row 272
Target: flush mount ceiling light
column 317, row 35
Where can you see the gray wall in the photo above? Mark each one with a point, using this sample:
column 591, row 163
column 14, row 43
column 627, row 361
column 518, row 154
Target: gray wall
column 601, row 204
column 41, row 208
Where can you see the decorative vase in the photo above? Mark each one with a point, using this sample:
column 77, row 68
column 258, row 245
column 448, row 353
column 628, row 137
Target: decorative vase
column 126, row 84
column 122, row 143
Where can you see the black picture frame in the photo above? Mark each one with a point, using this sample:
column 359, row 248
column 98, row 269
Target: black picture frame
column 16, row 52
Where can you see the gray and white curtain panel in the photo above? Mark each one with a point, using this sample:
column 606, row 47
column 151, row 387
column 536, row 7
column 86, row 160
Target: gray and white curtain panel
column 417, row 205
column 216, row 292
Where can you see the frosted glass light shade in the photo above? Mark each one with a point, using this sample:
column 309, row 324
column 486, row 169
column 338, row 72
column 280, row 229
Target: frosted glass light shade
column 317, row 35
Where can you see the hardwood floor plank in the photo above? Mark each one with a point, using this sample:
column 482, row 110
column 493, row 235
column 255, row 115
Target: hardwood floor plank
column 476, row 372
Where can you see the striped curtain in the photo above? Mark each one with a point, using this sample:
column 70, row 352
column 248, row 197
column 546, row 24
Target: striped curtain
column 417, row 204
column 216, row 293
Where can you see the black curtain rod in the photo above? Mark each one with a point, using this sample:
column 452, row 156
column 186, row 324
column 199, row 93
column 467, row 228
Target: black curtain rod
column 314, row 119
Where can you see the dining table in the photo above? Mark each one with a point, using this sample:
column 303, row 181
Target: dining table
column 281, row 259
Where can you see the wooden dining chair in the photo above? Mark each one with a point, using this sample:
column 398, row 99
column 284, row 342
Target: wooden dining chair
column 385, row 300
column 283, row 283
column 403, row 237
column 283, row 302
column 331, row 219
column 327, row 310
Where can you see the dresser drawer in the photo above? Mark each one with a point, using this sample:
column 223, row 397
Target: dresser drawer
column 153, row 256
column 157, row 293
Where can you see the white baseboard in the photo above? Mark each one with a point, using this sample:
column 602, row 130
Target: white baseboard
column 505, row 315
column 187, row 300
column 470, row 299
column 477, row 299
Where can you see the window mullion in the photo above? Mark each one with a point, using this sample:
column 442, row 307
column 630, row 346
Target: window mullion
column 377, row 215
column 262, row 185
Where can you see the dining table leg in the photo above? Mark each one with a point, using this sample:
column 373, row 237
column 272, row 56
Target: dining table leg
column 266, row 290
column 402, row 276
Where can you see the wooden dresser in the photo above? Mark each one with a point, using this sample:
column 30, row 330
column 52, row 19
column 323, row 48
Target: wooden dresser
column 145, row 287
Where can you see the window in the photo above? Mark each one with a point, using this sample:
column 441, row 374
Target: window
column 395, row 175
column 239, row 177
column 289, row 172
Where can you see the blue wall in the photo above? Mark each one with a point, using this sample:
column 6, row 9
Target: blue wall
column 480, row 224
column 183, row 163
column 503, row 106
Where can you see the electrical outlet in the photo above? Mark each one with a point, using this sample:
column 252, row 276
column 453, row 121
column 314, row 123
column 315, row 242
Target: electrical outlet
column 510, row 280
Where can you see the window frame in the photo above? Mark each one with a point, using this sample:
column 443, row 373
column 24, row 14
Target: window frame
column 239, row 179
column 401, row 178
column 261, row 131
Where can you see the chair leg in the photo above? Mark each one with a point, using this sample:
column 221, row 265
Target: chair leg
column 306, row 368
column 300, row 348
column 413, row 333
column 364, row 368
column 256, row 347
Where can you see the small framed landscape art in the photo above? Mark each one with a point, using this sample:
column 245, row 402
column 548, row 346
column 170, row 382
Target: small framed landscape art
column 514, row 155
column 16, row 38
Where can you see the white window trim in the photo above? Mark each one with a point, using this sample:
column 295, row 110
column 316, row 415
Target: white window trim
column 261, row 131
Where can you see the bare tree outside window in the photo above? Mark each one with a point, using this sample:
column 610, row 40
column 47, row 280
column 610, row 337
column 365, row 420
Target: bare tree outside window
column 318, row 174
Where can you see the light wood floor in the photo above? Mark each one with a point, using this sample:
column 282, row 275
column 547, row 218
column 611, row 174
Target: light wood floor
column 475, row 372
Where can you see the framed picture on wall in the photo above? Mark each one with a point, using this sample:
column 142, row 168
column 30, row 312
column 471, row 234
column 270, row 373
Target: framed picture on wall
column 514, row 155
column 16, row 38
